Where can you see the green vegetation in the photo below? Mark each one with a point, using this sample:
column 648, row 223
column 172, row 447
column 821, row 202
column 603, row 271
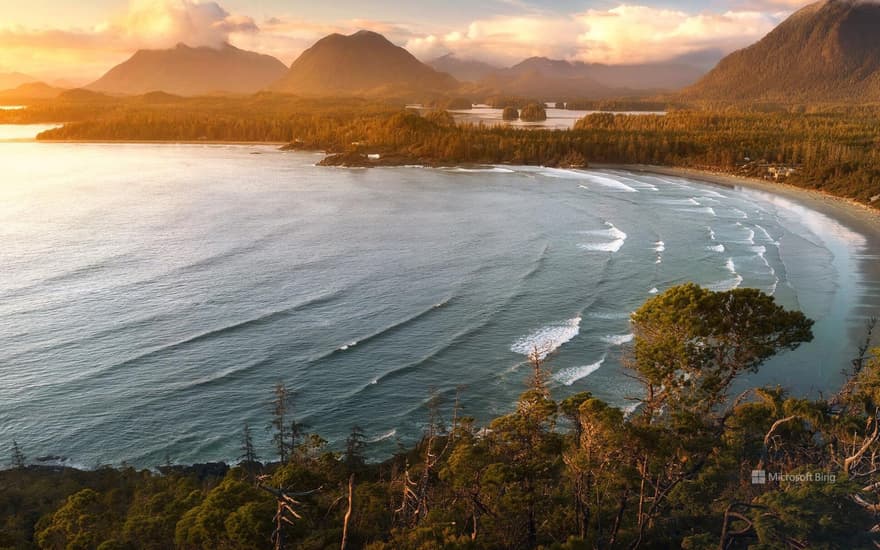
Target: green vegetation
column 675, row 472
column 832, row 149
column 510, row 113
column 533, row 112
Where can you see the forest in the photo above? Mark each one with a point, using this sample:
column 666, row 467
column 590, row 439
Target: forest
column 691, row 466
column 829, row 148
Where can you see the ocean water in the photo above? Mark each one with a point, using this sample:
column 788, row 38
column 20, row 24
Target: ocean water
column 151, row 296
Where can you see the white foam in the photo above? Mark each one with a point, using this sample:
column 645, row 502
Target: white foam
column 382, row 437
column 629, row 409
column 709, row 210
column 613, row 246
column 693, row 201
column 739, row 213
column 571, row 375
column 611, row 183
column 724, row 286
column 730, row 265
column 653, row 291
column 609, row 315
column 547, row 339
column 612, row 232
column 349, row 345
column 493, row 169
column 618, row 339
column 659, row 246
column 716, row 248
column 770, row 239
column 711, row 233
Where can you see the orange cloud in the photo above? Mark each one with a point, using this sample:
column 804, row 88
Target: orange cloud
column 625, row 34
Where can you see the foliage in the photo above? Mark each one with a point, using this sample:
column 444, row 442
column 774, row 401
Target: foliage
column 576, row 474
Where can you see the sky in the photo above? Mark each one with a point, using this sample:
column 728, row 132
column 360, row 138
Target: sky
column 78, row 41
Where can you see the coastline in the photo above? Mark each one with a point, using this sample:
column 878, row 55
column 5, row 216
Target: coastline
column 840, row 208
column 156, row 141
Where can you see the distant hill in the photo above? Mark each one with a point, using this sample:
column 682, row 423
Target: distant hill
column 466, row 70
column 191, row 71
column 31, row 90
column 827, row 51
column 363, row 63
column 14, row 80
column 554, row 78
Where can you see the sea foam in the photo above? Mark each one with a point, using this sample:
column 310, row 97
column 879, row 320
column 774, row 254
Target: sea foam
column 571, row 375
column 618, row 239
column 547, row 339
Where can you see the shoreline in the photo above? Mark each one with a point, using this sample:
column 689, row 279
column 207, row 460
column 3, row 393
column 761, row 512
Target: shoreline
column 156, row 141
column 840, row 208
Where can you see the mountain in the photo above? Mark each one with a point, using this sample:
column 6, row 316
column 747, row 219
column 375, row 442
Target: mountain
column 363, row 63
column 191, row 71
column 31, row 90
column 554, row 78
column 466, row 70
column 827, row 51
column 14, row 80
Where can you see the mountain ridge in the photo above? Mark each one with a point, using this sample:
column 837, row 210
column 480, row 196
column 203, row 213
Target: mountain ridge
column 363, row 63
column 828, row 51
column 187, row 71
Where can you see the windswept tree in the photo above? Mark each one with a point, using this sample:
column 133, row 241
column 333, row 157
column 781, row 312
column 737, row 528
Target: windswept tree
column 249, row 459
column 18, row 459
column 286, row 431
column 354, row 457
column 691, row 343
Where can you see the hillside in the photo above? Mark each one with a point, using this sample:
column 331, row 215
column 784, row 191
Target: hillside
column 191, row 71
column 363, row 63
column 31, row 90
column 826, row 52
column 553, row 78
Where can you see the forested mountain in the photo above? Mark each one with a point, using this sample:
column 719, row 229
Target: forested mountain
column 191, row 71
column 554, row 78
column 363, row 63
column 826, row 52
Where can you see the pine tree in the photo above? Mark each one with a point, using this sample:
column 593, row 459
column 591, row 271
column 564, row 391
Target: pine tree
column 355, row 449
column 18, row 458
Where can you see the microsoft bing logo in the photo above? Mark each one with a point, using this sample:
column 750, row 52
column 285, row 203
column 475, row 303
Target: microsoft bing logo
column 759, row 477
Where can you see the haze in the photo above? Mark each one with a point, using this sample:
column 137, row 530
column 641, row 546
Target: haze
column 77, row 42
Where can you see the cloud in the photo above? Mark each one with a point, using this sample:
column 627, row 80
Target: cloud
column 86, row 53
column 624, row 34
column 627, row 33
column 160, row 23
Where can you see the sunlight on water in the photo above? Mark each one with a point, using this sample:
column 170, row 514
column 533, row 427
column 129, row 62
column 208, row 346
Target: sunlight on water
column 152, row 295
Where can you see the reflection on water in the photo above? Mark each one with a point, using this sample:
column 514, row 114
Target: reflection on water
column 557, row 119
column 23, row 132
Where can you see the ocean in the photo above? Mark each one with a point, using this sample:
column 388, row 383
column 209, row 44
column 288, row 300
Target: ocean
column 151, row 296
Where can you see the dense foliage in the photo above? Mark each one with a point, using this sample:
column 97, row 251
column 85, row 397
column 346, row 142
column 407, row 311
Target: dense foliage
column 674, row 472
column 833, row 149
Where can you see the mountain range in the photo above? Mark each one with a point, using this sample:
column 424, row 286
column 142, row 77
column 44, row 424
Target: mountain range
column 826, row 52
column 541, row 76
